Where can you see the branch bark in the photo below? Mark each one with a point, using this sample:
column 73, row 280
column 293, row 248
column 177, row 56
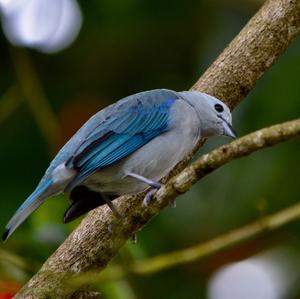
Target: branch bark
column 90, row 247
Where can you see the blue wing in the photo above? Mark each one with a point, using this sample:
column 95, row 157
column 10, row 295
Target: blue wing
column 122, row 133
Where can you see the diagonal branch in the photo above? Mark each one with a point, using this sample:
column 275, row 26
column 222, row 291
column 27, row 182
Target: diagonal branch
column 90, row 247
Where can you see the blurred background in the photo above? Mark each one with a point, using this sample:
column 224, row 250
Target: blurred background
column 62, row 60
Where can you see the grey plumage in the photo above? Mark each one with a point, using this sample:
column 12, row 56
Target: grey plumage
column 145, row 134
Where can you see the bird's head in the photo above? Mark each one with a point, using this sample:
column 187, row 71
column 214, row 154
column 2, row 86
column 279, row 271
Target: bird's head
column 214, row 115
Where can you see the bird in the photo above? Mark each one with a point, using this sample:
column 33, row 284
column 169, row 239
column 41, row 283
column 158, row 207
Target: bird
column 126, row 148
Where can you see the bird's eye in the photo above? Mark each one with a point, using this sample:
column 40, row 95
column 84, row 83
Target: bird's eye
column 219, row 108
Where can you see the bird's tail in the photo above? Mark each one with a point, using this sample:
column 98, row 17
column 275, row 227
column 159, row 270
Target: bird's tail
column 41, row 193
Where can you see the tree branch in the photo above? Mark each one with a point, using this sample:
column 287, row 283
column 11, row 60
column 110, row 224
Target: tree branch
column 90, row 247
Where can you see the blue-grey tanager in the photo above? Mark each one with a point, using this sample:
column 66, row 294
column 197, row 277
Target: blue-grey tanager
column 127, row 147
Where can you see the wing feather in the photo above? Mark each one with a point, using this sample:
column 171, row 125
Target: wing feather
column 119, row 136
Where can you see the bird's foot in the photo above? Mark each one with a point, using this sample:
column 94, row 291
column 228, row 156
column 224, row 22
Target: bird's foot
column 117, row 215
column 155, row 186
column 150, row 194
column 148, row 197
column 113, row 209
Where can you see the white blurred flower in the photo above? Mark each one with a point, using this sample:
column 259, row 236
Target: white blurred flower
column 46, row 25
column 271, row 275
column 245, row 280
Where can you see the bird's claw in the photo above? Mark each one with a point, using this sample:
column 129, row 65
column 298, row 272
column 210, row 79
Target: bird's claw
column 156, row 185
column 150, row 194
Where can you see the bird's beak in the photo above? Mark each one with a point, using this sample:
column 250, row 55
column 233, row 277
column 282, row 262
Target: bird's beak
column 228, row 130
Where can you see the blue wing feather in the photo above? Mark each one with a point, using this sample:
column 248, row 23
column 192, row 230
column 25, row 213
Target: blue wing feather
column 125, row 132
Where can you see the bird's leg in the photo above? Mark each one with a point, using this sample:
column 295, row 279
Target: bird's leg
column 111, row 206
column 146, row 201
column 148, row 197
column 117, row 215
column 151, row 183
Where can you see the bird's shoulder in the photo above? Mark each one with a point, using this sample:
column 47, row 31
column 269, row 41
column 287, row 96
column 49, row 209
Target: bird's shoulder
column 141, row 101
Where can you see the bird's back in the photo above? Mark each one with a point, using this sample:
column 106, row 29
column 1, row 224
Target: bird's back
column 146, row 98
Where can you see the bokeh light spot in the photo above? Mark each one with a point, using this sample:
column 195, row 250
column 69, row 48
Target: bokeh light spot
column 248, row 279
column 46, row 25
